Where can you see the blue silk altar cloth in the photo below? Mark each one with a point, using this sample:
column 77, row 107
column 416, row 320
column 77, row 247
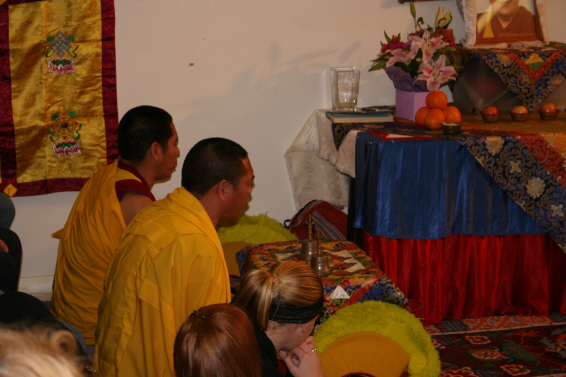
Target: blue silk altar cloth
column 429, row 189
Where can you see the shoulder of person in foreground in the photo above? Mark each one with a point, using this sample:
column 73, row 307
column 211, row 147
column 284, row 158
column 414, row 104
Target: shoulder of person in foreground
column 39, row 351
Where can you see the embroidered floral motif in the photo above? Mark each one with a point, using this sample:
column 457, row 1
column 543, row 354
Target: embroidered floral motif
column 61, row 66
column 64, row 126
column 535, row 187
column 515, row 168
column 494, row 144
column 486, row 354
column 557, row 210
column 515, row 370
column 464, row 372
column 477, row 339
column 66, row 148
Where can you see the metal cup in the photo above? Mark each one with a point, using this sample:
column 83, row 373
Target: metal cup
column 320, row 264
column 308, row 249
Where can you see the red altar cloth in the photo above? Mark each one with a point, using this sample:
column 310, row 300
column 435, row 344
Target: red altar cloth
column 471, row 276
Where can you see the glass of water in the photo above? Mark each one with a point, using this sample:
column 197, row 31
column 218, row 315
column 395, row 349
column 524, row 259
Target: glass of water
column 345, row 84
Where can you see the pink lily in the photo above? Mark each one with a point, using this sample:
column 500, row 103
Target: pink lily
column 401, row 55
column 429, row 45
column 436, row 73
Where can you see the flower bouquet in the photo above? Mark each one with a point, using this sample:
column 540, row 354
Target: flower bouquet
column 427, row 61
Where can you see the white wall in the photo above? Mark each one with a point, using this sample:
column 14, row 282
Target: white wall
column 249, row 70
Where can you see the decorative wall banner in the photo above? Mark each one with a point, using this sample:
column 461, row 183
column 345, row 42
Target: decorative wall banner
column 58, row 107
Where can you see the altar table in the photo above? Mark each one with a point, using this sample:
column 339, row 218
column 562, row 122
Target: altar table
column 484, row 255
column 530, row 74
column 354, row 276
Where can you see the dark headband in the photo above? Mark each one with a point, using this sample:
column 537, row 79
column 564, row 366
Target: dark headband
column 294, row 314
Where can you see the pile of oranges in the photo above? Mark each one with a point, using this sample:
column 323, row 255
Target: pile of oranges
column 437, row 111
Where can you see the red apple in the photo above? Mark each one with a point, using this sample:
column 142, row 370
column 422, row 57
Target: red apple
column 547, row 108
column 490, row 110
column 520, row 110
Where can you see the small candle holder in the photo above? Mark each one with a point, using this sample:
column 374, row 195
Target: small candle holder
column 319, row 261
column 310, row 245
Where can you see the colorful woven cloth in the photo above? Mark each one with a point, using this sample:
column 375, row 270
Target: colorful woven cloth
column 532, row 74
column 354, row 277
column 58, row 109
column 527, row 160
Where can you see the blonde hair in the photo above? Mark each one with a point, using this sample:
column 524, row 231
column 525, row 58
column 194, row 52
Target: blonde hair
column 285, row 283
column 38, row 353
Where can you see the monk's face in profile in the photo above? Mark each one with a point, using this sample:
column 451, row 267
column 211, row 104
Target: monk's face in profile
column 505, row 8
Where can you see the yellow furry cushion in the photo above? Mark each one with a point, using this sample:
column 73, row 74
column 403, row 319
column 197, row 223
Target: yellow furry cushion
column 388, row 320
column 365, row 352
column 230, row 249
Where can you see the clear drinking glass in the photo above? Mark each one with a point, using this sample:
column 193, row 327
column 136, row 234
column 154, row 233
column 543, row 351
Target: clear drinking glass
column 345, row 84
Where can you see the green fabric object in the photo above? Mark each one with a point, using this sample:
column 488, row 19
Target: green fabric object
column 255, row 230
column 389, row 320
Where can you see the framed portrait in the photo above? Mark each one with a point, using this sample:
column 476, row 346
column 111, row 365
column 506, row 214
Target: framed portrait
column 507, row 21
column 498, row 22
column 414, row 1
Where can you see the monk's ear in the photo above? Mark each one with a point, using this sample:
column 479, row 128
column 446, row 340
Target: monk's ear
column 222, row 189
column 155, row 151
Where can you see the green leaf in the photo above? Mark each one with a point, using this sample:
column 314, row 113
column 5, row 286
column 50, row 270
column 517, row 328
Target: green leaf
column 378, row 65
column 54, row 116
column 386, row 36
column 73, row 114
column 414, row 66
column 413, row 10
column 380, row 58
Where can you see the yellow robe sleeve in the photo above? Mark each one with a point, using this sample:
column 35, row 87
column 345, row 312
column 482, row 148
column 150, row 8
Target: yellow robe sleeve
column 164, row 269
column 87, row 243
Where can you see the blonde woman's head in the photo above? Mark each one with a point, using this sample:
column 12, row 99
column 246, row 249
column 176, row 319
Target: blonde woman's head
column 38, row 352
column 292, row 291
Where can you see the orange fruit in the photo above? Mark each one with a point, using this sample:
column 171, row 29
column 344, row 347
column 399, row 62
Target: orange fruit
column 436, row 100
column 434, row 118
column 452, row 114
column 420, row 115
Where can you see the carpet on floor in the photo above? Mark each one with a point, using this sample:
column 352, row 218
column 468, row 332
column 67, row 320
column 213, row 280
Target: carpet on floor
column 506, row 345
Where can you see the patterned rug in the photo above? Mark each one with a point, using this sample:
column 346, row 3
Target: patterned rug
column 502, row 346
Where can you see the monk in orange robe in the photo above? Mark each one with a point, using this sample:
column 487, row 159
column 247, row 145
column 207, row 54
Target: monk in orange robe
column 147, row 142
